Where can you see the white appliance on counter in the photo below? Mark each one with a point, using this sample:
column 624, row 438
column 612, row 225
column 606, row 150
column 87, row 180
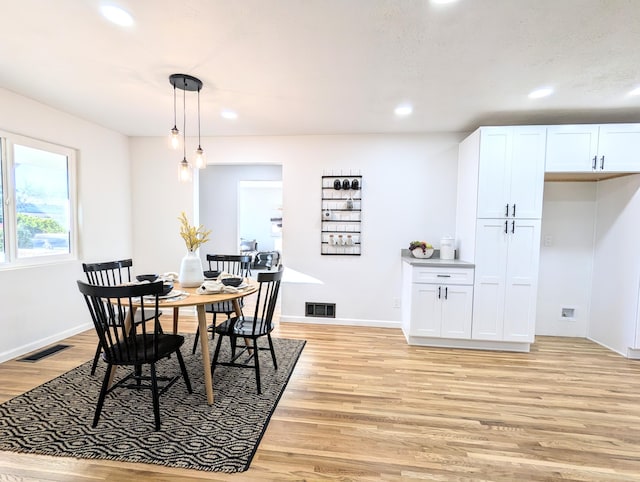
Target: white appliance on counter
column 447, row 247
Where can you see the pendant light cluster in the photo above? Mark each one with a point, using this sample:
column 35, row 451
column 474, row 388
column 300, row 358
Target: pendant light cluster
column 185, row 83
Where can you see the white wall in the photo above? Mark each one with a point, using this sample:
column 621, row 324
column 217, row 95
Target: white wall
column 31, row 317
column 616, row 270
column 566, row 263
column 409, row 192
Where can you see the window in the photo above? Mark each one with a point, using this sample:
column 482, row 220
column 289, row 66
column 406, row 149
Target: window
column 37, row 215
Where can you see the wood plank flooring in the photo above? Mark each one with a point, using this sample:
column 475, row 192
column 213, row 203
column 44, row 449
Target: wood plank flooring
column 363, row 405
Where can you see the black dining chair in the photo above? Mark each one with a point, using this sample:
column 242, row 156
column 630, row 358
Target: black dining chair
column 132, row 344
column 112, row 273
column 235, row 264
column 250, row 329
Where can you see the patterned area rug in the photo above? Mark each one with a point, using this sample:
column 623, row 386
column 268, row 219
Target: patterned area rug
column 55, row 418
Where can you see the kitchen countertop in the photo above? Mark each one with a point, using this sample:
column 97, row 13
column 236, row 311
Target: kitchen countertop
column 434, row 261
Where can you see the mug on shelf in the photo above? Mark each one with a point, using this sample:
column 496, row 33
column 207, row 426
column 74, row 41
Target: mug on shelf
column 332, row 240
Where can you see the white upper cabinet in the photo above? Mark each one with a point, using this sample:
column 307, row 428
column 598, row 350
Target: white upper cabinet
column 593, row 148
column 511, row 172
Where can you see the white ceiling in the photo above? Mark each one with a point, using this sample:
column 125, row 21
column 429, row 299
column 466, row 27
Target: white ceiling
column 326, row 66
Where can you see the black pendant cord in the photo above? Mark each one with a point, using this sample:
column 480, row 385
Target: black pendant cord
column 199, row 146
column 184, row 121
column 175, row 125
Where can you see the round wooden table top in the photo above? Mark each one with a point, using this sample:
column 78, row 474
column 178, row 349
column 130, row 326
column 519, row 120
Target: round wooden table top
column 195, row 299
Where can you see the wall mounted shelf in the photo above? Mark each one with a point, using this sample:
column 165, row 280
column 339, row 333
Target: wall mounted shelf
column 341, row 216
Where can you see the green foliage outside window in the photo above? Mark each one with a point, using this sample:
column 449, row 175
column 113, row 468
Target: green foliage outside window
column 29, row 226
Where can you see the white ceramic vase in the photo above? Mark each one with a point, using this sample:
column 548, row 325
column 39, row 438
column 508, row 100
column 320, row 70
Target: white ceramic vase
column 191, row 271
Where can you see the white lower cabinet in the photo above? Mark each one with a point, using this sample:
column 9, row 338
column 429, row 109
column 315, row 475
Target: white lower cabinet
column 438, row 302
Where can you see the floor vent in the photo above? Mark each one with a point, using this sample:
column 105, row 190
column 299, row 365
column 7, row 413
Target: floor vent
column 44, row 353
column 322, row 310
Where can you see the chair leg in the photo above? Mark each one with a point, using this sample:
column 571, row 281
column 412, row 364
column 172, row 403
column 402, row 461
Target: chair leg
column 183, row 368
column 273, row 353
column 215, row 354
column 195, row 342
column 137, row 370
column 156, row 396
column 255, row 357
column 103, row 393
column 96, row 358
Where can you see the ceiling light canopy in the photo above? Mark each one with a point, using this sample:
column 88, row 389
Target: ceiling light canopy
column 540, row 93
column 403, row 110
column 186, row 83
column 117, row 15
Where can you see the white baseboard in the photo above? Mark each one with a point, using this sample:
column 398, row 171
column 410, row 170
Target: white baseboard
column 469, row 344
column 34, row 345
column 633, row 353
column 607, row 347
column 339, row 321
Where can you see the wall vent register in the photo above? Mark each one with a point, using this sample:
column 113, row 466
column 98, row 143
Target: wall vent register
column 322, row 310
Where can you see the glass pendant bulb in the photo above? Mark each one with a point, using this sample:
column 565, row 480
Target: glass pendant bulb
column 200, row 162
column 185, row 170
column 175, row 137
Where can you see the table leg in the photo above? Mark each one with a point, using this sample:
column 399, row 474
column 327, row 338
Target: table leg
column 175, row 320
column 206, row 357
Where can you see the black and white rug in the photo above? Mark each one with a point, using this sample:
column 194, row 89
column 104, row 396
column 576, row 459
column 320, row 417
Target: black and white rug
column 55, row 418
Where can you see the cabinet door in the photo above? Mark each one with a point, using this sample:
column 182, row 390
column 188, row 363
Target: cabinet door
column 619, row 148
column 490, row 272
column 521, row 280
column 493, row 174
column 426, row 310
column 527, row 172
column 457, row 307
column 571, row 148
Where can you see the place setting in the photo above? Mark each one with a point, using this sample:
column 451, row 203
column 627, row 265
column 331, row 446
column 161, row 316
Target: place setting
column 169, row 293
column 221, row 282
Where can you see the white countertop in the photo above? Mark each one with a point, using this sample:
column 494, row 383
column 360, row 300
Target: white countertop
column 434, row 261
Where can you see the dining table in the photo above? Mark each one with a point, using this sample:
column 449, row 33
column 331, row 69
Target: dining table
column 190, row 297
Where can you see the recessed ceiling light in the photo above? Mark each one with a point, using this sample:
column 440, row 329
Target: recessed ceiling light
column 116, row 15
column 539, row 93
column 635, row 91
column 403, row 110
column 229, row 114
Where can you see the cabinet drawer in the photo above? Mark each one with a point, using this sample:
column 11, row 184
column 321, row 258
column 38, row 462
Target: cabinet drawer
column 445, row 276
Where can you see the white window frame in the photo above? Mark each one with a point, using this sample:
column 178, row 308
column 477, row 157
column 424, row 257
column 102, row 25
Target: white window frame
column 8, row 182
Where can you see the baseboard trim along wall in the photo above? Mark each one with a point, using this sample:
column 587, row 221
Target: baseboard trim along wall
column 21, row 350
column 339, row 321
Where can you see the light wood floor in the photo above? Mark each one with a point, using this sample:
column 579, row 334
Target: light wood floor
column 362, row 405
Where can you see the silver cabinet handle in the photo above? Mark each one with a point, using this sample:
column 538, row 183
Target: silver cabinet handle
column 446, row 292
column 443, row 275
column 513, row 227
column 506, row 211
column 506, row 223
column 439, row 291
column 595, row 163
column 514, row 210
column 602, row 162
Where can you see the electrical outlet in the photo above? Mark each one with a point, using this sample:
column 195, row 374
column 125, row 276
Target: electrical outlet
column 396, row 302
column 548, row 241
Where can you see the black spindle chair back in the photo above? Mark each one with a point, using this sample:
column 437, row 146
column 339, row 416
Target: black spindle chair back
column 132, row 344
column 235, row 264
column 245, row 331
